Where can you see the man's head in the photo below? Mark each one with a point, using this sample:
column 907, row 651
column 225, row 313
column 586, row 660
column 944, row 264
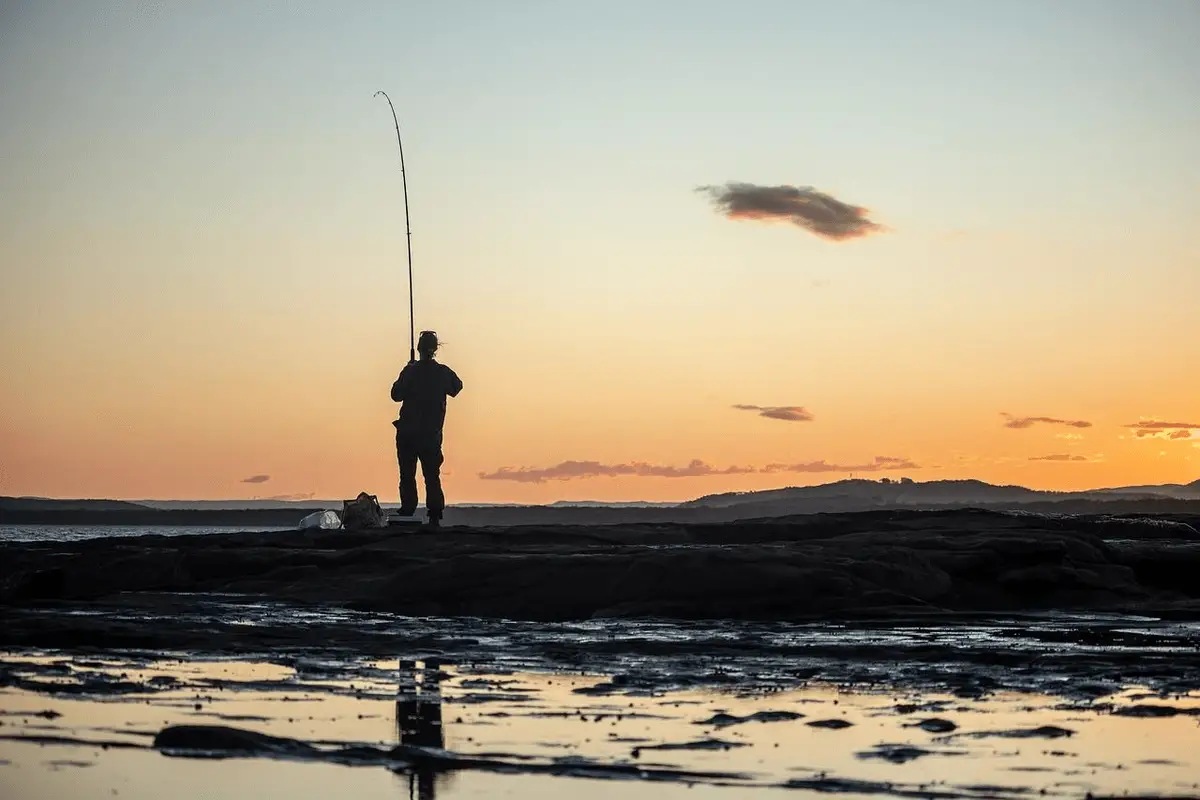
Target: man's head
column 427, row 344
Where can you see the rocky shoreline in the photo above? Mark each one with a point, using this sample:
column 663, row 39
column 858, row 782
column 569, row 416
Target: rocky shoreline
column 814, row 567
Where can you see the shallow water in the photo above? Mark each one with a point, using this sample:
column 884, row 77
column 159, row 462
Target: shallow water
column 1075, row 655
column 85, row 726
column 76, row 533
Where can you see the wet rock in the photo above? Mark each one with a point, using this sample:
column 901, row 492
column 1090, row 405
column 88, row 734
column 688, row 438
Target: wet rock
column 97, row 684
column 476, row 698
column 936, row 725
column 1094, row 690
column 895, row 753
column 222, row 739
column 994, row 790
column 854, row 787
column 212, row 741
column 72, row 741
column 699, row 744
column 830, row 724
column 724, row 720
column 1150, row 710
column 47, row 714
column 619, row 684
column 1041, row 732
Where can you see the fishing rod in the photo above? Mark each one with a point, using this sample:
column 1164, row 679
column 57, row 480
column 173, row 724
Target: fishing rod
column 412, row 337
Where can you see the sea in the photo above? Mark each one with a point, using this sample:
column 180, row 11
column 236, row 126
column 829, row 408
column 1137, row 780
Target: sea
column 75, row 533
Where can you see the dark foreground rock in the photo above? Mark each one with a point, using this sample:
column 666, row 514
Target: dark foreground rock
column 813, row 567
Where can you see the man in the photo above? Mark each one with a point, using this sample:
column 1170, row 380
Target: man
column 422, row 389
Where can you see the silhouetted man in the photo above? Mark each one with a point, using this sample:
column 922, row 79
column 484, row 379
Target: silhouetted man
column 422, row 388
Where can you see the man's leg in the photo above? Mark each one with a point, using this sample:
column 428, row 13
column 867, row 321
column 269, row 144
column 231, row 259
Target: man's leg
column 431, row 468
column 406, row 456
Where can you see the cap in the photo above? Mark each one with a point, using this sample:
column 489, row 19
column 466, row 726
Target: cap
column 428, row 341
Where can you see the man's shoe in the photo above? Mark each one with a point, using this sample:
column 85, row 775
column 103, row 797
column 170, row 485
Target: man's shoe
column 432, row 523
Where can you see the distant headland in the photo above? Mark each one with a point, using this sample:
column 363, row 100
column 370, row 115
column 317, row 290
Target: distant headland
column 837, row 497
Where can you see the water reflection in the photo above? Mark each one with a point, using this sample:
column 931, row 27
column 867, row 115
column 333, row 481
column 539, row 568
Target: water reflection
column 419, row 719
column 816, row 737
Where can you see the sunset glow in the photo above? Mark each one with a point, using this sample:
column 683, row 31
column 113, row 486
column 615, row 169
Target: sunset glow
column 203, row 255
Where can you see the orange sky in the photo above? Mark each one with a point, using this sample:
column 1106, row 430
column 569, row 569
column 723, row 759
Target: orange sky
column 205, row 288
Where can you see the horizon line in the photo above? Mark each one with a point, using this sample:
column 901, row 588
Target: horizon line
column 479, row 503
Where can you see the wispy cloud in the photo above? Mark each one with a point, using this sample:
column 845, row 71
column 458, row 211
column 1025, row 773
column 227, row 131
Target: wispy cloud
column 1159, row 429
column 1029, row 422
column 1070, row 437
column 299, row 496
column 1060, row 457
column 257, row 479
column 878, row 464
column 802, row 206
column 576, row 470
column 785, row 413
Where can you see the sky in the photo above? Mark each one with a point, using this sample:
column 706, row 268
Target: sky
column 670, row 248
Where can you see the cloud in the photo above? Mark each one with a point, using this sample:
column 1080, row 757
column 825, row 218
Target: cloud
column 1059, row 457
column 1029, row 422
column 803, row 206
column 257, row 479
column 576, row 470
column 302, row 496
column 573, row 470
column 785, row 413
column 1070, row 437
column 878, row 464
column 1153, row 424
column 1158, row 429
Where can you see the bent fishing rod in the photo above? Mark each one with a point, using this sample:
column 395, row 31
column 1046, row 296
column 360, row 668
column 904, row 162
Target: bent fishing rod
column 412, row 338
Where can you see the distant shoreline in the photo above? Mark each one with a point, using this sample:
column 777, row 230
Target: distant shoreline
column 838, row 497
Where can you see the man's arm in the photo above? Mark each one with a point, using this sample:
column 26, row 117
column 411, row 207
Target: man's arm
column 400, row 383
column 453, row 383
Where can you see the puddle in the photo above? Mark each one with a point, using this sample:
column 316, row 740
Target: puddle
column 129, row 726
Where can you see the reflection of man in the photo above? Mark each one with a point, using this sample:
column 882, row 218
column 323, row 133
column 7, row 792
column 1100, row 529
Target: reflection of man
column 419, row 716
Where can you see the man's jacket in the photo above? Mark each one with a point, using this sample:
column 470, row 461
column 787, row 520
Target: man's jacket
column 423, row 387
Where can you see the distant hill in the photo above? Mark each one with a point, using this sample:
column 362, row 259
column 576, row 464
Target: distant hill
column 607, row 504
column 903, row 491
column 1184, row 491
column 862, row 493
column 52, row 504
